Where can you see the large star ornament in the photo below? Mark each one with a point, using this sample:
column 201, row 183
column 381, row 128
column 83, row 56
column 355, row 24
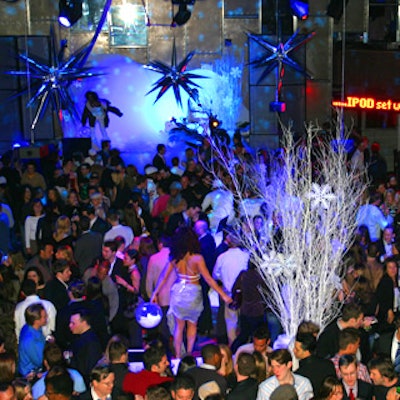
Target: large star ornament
column 50, row 81
column 278, row 55
column 174, row 76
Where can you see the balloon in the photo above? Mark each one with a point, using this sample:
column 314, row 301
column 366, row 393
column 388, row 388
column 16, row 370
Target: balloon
column 148, row 315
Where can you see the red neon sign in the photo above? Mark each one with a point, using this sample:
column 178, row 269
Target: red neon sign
column 368, row 103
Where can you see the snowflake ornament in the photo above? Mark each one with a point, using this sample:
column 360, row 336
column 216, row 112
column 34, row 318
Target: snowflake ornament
column 236, row 72
column 276, row 264
column 321, row 196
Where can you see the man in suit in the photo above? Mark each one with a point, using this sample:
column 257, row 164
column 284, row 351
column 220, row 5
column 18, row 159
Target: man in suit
column 101, row 383
column 97, row 224
column 207, row 372
column 86, row 348
column 159, row 159
column 184, row 218
column 207, row 250
column 312, row 367
column 247, row 386
column 353, row 388
column 77, row 292
column 385, row 244
column 88, row 245
column 328, row 341
column 56, row 290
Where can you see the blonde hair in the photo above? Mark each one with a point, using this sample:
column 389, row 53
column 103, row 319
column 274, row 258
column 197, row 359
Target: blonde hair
column 62, row 228
column 229, row 362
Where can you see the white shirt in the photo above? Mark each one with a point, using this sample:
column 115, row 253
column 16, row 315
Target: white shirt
column 31, row 223
column 371, row 216
column 19, row 314
column 229, row 265
column 301, row 384
column 120, row 230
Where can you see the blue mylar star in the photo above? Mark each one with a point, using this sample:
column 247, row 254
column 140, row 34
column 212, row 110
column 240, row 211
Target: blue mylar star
column 174, row 76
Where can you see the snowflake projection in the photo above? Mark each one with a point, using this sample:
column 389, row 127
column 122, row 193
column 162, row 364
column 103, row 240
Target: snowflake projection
column 236, row 72
column 50, row 82
column 278, row 55
column 229, row 69
column 321, row 196
column 174, row 76
column 276, row 264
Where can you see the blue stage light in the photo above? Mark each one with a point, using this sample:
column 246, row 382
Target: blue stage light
column 70, row 12
column 300, row 8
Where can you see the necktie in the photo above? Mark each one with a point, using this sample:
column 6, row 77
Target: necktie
column 397, row 359
column 351, row 395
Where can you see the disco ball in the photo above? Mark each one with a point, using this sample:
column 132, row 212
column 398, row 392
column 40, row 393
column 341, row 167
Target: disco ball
column 148, row 315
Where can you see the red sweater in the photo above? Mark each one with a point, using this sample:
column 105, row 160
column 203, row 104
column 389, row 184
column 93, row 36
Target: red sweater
column 138, row 383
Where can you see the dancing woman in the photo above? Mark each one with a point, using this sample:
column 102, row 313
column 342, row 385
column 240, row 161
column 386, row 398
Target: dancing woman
column 186, row 302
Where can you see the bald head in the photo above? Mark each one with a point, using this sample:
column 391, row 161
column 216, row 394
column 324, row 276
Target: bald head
column 200, row 227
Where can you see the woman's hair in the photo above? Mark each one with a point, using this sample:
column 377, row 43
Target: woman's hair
column 62, row 228
column 37, row 270
column 7, row 367
column 261, row 367
column 93, row 288
column 184, row 241
column 229, row 363
column 327, row 387
column 35, row 201
column 20, row 386
column 69, row 253
column 146, row 246
column 186, row 363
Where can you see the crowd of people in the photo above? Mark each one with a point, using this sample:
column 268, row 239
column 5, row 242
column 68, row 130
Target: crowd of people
column 87, row 240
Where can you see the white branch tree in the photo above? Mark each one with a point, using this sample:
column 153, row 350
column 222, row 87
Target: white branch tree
column 308, row 188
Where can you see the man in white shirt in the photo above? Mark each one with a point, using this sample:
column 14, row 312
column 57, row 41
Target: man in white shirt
column 372, row 216
column 157, row 264
column 118, row 230
column 227, row 268
column 29, row 290
column 281, row 364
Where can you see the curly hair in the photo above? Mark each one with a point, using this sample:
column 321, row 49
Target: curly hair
column 184, row 241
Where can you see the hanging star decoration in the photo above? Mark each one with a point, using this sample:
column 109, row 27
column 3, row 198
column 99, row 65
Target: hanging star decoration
column 279, row 55
column 320, row 196
column 50, row 81
column 174, row 76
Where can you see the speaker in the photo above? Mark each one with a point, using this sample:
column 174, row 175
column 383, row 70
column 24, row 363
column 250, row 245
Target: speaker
column 335, row 9
column 72, row 146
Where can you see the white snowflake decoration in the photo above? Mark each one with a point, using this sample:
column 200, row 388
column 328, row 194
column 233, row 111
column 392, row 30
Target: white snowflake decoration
column 320, row 196
column 236, row 72
column 276, row 264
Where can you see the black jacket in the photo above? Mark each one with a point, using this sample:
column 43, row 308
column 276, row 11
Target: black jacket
column 316, row 370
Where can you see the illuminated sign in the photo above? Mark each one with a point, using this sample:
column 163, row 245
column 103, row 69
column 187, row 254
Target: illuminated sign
column 367, row 103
